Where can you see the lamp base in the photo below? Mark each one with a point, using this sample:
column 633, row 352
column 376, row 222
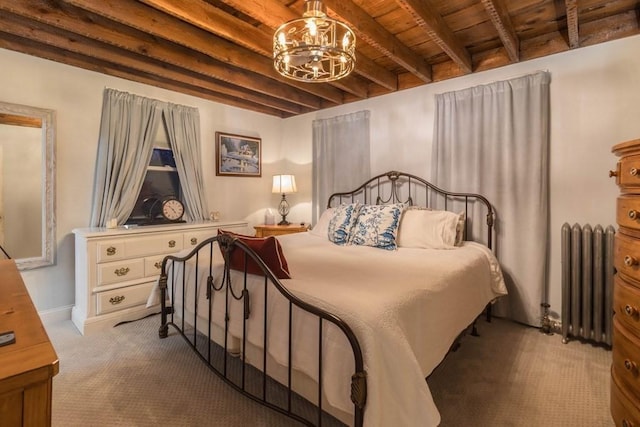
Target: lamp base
column 284, row 222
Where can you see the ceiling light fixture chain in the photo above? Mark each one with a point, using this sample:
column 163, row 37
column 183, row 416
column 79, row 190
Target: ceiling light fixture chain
column 314, row 48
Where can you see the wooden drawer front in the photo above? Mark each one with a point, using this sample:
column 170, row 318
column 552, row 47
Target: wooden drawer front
column 110, row 251
column 154, row 245
column 626, row 358
column 153, row 265
column 629, row 173
column 626, row 304
column 122, row 271
column 118, row 299
column 628, row 212
column 192, row 238
column 627, row 256
column 624, row 410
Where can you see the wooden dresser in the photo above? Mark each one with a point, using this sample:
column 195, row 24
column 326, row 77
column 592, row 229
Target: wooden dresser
column 625, row 374
column 27, row 366
column 116, row 269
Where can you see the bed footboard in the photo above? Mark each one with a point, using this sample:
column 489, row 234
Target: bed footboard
column 255, row 334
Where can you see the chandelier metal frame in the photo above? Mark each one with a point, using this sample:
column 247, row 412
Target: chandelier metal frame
column 314, row 48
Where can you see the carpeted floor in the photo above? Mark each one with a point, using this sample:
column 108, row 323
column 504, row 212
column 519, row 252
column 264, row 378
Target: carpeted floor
column 510, row 376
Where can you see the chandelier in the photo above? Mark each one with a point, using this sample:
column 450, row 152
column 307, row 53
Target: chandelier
column 314, row 48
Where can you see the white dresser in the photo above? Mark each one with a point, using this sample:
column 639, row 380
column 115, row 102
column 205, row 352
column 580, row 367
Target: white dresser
column 117, row 268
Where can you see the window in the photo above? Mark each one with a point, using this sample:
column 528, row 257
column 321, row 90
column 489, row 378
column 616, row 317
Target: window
column 161, row 181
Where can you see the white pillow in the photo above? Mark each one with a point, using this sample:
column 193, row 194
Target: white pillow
column 321, row 228
column 421, row 228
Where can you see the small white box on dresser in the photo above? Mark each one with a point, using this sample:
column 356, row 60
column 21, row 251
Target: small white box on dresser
column 117, row 268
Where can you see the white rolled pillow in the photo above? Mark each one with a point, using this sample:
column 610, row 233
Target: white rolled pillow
column 321, row 228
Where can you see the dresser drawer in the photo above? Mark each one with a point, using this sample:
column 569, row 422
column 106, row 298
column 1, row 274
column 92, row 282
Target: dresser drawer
column 628, row 212
column 627, row 256
column 193, row 238
column 626, row 304
column 110, row 251
column 626, row 358
column 153, row 265
column 629, row 172
column 120, row 271
column 624, row 409
column 153, row 245
column 118, row 299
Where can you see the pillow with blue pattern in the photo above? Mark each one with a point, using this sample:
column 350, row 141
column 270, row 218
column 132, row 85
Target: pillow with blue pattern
column 377, row 226
column 344, row 218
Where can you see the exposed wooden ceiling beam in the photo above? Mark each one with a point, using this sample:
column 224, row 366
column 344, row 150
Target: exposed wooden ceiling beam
column 501, row 20
column 30, row 47
column 273, row 13
column 572, row 23
column 15, row 120
column 149, row 47
column 376, row 35
column 432, row 23
column 148, row 19
column 216, row 21
column 74, row 43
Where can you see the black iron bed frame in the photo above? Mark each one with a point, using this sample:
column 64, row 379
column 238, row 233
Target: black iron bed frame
column 390, row 187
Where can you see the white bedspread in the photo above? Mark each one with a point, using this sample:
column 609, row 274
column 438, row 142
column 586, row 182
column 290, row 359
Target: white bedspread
column 406, row 307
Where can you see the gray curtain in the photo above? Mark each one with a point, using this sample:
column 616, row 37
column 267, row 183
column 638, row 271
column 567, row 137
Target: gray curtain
column 494, row 140
column 341, row 157
column 127, row 130
column 125, row 145
column 183, row 130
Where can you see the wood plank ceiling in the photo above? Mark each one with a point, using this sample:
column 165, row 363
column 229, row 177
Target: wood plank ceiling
column 221, row 49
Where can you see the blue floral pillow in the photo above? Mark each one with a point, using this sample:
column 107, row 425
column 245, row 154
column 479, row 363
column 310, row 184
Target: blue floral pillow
column 377, row 226
column 344, row 218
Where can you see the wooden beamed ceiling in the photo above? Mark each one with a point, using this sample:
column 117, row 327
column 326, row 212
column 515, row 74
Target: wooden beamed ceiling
column 221, row 49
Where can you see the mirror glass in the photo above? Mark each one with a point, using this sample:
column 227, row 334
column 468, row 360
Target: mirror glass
column 27, row 139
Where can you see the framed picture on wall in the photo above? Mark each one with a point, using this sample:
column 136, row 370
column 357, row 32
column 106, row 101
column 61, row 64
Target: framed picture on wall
column 238, row 155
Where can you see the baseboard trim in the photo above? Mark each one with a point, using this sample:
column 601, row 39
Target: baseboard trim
column 55, row 315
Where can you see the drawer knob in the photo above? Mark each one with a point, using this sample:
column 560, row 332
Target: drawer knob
column 633, row 172
column 630, row 310
column 158, row 264
column 631, row 366
column 194, row 241
column 111, row 251
column 630, row 261
column 121, row 271
column 613, row 173
column 172, row 243
column 116, row 300
column 633, row 214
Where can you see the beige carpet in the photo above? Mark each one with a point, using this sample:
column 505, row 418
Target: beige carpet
column 510, row 376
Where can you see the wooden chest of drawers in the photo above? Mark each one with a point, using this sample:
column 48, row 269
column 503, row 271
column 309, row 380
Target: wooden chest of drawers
column 625, row 374
column 116, row 269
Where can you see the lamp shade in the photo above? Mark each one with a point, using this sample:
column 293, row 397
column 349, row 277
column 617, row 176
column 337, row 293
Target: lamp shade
column 284, row 184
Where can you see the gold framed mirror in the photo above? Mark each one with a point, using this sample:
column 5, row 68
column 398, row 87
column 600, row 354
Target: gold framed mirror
column 27, row 187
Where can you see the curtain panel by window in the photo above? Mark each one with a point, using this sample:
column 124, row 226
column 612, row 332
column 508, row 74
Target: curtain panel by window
column 125, row 145
column 341, row 156
column 127, row 129
column 494, row 140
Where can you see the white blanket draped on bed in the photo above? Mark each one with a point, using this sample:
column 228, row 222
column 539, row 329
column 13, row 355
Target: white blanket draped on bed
column 406, row 307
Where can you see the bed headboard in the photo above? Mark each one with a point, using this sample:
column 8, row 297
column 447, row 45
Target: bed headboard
column 400, row 187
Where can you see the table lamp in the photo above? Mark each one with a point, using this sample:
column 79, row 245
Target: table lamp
column 284, row 184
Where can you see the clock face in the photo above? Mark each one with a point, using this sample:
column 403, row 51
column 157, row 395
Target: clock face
column 172, row 209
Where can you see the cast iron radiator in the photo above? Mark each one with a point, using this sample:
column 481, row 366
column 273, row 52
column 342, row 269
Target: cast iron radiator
column 587, row 283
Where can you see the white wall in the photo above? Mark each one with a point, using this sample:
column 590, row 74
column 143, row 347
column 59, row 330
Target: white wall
column 595, row 103
column 593, row 106
column 76, row 96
